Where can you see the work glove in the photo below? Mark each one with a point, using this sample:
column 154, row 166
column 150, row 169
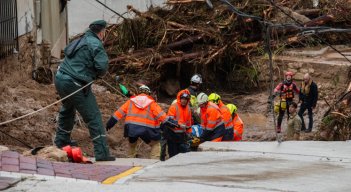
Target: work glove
column 184, row 127
column 195, row 142
column 172, row 123
column 110, row 123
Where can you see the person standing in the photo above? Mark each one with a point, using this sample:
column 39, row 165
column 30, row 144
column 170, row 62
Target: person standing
column 85, row 60
column 294, row 123
column 285, row 90
column 308, row 98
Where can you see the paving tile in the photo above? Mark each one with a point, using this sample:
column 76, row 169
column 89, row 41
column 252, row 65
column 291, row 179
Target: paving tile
column 46, row 166
column 11, row 168
column 12, row 154
column 63, row 175
column 98, row 178
column 62, row 170
column 9, row 161
column 43, row 161
column 28, row 166
column 30, row 160
column 43, row 171
column 28, row 171
column 80, row 176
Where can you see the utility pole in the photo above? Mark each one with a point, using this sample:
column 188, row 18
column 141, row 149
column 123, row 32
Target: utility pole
column 34, row 36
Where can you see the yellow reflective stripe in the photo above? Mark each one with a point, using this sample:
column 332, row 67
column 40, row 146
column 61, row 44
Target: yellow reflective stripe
column 97, row 137
column 178, row 130
column 178, row 114
column 159, row 115
column 146, row 116
column 121, row 112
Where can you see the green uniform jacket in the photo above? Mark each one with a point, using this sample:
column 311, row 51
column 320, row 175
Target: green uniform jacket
column 85, row 58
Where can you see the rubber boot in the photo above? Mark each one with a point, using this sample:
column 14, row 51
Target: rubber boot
column 132, row 150
column 155, row 149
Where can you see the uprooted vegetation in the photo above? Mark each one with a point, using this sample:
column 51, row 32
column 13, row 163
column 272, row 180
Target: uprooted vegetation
column 173, row 43
column 188, row 36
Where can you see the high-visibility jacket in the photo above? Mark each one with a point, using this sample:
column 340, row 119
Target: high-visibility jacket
column 238, row 128
column 211, row 122
column 287, row 90
column 180, row 113
column 227, row 117
column 193, row 94
column 141, row 110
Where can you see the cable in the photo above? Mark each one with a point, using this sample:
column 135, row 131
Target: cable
column 107, row 7
column 25, row 144
column 98, row 8
column 54, row 103
column 296, row 21
column 271, row 85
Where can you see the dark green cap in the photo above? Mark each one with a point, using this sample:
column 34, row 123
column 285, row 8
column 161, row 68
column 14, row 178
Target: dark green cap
column 99, row 22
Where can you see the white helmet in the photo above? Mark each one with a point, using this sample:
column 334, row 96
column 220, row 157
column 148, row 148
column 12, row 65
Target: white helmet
column 144, row 89
column 202, row 98
column 196, row 79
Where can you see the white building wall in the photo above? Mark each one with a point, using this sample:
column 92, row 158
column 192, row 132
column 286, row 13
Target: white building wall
column 82, row 12
column 25, row 14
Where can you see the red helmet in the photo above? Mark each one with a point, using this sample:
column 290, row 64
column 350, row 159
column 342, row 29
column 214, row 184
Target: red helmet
column 289, row 73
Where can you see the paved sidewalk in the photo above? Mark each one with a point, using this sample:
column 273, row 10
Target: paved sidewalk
column 13, row 162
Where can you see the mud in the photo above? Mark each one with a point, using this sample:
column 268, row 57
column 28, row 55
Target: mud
column 19, row 95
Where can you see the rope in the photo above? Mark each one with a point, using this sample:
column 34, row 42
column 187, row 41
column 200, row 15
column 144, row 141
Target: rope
column 54, row 103
column 271, row 85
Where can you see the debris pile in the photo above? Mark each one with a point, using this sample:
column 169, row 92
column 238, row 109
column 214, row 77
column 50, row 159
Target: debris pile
column 189, row 36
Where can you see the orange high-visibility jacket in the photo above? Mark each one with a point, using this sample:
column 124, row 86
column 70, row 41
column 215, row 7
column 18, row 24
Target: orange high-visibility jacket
column 238, row 128
column 211, row 117
column 227, row 117
column 181, row 114
column 141, row 110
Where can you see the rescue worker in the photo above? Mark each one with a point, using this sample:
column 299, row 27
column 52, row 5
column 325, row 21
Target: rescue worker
column 285, row 90
column 308, row 98
column 211, row 121
column 195, row 82
column 177, row 137
column 85, row 60
column 227, row 117
column 142, row 120
column 294, row 123
column 237, row 122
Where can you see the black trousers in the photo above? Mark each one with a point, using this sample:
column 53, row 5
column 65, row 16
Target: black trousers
column 302, row 110
column 282, row 112
column 176, row 148
column 163, row 143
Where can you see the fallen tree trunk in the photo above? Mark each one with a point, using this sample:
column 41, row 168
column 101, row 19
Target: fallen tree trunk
column 319, row 21
column 309, row 12
column 178, row 59
column 183, row 42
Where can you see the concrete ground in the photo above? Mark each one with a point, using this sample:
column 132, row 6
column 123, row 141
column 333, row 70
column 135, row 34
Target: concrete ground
column 241, row 166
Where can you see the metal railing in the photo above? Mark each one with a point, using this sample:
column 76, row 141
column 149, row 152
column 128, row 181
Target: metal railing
column 8, row 27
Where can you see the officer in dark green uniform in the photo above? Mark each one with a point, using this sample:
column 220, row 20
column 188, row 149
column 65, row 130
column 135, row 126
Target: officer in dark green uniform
column 85, row 60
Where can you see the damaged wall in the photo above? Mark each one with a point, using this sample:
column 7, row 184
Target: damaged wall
column 82, row 12
column 25, row 15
